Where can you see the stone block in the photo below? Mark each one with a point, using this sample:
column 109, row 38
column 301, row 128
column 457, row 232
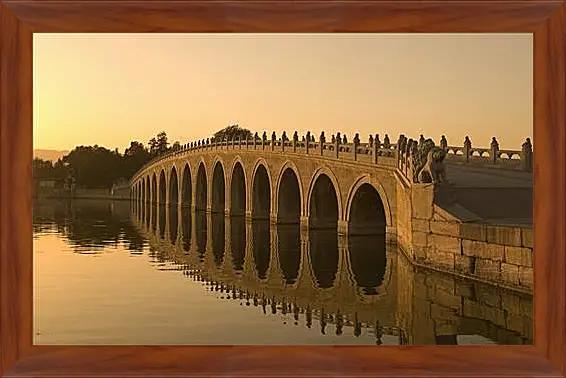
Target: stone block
column 421, row 291
column 510, row 273
column 441, row 259
column 447, row 300
column 511, row 303
column 438, row 281
column 420, row 239
column 472, row 231
column 438, row 312
column 504, row 235
column 514, row 323
column 445, row 228
column 488, row 269
column 471, row 309
column 483, row 250
column 519, row 256
column 487, row 295
column 464, row 264
column 422, row 201
column 526, row 307
column 421, row 306
column 528, row 330
column 465, row 289
column 420, row 254
column 445, row 243
column 526, row 277
column 422, row 225
column 527, row 237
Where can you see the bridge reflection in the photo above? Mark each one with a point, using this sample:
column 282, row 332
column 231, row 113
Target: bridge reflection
column 355, row 282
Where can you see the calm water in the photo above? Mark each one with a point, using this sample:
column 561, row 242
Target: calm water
column 106, row 275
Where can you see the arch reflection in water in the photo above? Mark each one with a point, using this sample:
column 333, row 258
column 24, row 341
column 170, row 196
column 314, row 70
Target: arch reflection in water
column 162, row 220
column 367, row 298
column 238, row 242
column 201, row 233
column 289, row 251
column 261, row 246
column 186, row 219
column 324, row 256
column 368, row 261
column 173, row 223
column 218, row 237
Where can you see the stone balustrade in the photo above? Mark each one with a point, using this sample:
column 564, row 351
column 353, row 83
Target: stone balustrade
column 374, row 151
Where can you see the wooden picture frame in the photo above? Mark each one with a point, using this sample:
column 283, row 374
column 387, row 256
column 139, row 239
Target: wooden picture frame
column 20, row 18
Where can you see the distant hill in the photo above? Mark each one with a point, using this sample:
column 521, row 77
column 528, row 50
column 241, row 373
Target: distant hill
column 52, row 155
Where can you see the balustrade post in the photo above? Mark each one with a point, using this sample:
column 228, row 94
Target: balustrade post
column 356, row 144
column 386, row 142
column 283, row 139
column 273, row 139
column 337, row 145
column 494, row 151
column 321, row 142
column 374, row 147
column 407, row 153
column 527, row 156
column 467, row 148
column 443, row 143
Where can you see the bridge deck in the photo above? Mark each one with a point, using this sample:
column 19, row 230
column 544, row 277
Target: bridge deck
column 488, row 195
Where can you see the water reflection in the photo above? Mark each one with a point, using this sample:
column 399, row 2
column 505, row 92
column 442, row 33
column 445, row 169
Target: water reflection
column 324, row 256
column 261, row 246
column 339, row 287
column 368, row 258
column 201, row 235
column 173, row 223
column 218, row 237
column 289, row 251
column 186, row 228
column 238, row 242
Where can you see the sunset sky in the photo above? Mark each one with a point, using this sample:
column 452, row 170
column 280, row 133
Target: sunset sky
column 109, row 89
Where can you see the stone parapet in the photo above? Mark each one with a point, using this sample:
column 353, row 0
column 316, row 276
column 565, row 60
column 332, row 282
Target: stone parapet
column 498, row 254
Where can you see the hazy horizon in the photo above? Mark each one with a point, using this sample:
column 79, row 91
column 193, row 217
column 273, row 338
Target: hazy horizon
column 110, row 89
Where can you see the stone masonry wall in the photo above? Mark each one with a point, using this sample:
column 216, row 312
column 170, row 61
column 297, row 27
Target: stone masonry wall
column 497, row 254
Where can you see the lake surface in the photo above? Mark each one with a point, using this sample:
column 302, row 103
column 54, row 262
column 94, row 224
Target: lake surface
column 105, row 274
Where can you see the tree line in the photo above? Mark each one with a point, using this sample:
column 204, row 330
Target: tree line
column 98, row 167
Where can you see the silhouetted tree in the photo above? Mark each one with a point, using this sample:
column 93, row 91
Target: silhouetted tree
column 231, row 131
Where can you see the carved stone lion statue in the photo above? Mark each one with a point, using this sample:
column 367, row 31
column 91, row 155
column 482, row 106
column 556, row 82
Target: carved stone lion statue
column 428, row 163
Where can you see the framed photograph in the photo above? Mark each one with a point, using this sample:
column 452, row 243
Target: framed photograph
column 277, row 188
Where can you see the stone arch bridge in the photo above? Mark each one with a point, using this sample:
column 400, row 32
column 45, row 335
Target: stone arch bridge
column 358, row 188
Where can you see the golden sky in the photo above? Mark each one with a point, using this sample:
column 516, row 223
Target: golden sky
column 109, row 89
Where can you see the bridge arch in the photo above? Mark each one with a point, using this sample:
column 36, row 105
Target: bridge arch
column 238, row 185
column 288, row 203
column 201, row 196
column 364, row 183
column 186, row 186
column 218, row 186
column 261, row 195
column 162, row 187
column 154, row 188
column 324, row 183
column 173, row 186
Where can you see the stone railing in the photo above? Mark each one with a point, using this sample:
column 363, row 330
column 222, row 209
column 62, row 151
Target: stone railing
column 407, row 155
column 514, row 159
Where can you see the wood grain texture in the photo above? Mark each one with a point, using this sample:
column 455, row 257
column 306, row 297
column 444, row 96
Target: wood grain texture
column 15, row 189
column 547, row 19
column 550, row 188
column 280, row 16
